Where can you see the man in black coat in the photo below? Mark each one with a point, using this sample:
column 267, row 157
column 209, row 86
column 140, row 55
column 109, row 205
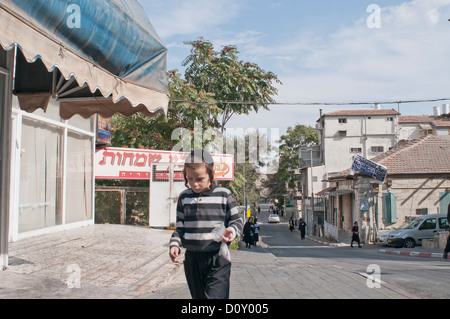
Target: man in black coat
column 355, row 236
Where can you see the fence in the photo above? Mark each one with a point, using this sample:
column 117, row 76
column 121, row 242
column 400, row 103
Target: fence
column 122, row 205
column 331, row 231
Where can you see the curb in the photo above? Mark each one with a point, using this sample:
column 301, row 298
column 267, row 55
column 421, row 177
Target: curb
column 322, row 242
column 411, row 253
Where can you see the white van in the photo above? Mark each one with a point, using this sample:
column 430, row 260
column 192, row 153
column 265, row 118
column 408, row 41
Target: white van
column 412, row 233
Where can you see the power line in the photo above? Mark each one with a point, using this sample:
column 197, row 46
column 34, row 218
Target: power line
column 318, row 103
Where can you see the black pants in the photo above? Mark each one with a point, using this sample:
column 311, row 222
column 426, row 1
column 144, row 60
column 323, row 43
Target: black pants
column 447, row 247
column 355, row 238
column 207, row 275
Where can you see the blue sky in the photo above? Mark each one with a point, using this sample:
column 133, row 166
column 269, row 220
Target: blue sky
column 322, row 51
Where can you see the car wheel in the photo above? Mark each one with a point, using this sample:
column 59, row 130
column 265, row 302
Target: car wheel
column 409, row 243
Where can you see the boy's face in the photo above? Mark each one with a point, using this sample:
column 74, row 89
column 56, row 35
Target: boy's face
column 198, row 179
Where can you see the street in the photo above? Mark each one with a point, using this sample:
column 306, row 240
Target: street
column 116, row 261
column 422, row 277
column 285, row 267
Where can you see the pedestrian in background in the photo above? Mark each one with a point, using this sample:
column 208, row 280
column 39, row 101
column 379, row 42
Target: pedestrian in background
column 256, row 232
column 302, row 228
column 447, row 247
column 291, row 224
column 199, row 211
column 355, row 235
column 249, row 228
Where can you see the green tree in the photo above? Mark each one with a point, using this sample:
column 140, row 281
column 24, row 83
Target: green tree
column 139, row 131
column 290, row 144
column 239, row 87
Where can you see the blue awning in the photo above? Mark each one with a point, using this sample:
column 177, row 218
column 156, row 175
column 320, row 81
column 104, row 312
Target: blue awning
column 108, row 48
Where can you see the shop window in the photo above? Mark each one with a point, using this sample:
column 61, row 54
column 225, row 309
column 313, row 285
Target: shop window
column 40, row 176
column 79, row 184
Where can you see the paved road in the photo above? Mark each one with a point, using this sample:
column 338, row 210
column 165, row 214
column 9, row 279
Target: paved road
column 286, row 267
column 421, row 277
column 115, row 261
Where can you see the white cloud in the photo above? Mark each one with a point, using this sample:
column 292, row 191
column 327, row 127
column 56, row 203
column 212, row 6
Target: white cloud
column 406, row 58
column 179, row 17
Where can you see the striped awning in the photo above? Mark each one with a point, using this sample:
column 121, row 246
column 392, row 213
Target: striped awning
column 94, row 56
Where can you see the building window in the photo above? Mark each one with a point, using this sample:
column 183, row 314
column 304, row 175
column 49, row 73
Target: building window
column 342, row 133
column 390, row 119
column 342, row 121
column 377, row 149
column 422, row 211
column 356, row 150
column 389, row 208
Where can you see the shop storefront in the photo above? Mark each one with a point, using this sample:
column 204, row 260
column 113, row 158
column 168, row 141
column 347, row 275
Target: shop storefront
column 60, row 65
column 52, row 171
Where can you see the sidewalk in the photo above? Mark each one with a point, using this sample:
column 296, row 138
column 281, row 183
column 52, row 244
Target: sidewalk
column 127, row 262
column 411, row 252
column 104, row 261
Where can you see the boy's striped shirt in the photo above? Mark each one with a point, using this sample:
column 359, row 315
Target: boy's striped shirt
column 199, row 214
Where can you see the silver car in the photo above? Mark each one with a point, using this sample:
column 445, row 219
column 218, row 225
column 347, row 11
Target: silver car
column 412, row 233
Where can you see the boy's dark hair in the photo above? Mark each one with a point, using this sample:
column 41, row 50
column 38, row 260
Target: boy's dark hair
column 199, row 158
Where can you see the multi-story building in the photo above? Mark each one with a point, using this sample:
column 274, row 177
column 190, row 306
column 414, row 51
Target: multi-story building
column 342, row 135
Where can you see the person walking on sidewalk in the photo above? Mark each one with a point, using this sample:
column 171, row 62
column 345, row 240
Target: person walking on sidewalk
column 291, row 224
column 256, row 232
column 249, row 229
column 355, row 236
column 302, row 228
column 203, row 209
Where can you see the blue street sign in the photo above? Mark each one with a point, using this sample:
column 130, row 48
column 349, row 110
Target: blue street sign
column 365, row 166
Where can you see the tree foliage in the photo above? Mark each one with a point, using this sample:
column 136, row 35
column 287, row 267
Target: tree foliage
column 238, row 87
column 216, row 85
column 290, row 144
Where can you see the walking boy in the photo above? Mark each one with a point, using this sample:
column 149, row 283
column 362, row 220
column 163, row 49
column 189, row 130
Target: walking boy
column 202, row 209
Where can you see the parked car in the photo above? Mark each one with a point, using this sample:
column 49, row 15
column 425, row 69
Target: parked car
column 383, row 236
column 412, row 233
column 273, row 218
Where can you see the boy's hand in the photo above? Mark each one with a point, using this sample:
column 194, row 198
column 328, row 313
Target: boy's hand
column 174, row 252
column 228, row 235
